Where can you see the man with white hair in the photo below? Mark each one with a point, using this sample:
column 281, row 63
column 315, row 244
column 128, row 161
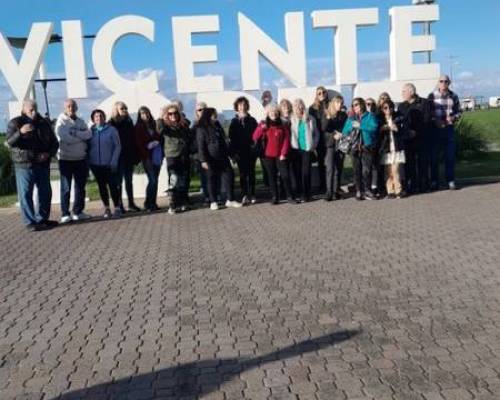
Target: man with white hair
column 417, row 116
column 32, row 143
column 446, row 111
column 73, row 134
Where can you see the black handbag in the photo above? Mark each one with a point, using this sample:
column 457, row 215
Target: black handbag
column 347, row 142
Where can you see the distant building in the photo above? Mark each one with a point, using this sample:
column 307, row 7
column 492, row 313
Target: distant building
column 495, row 102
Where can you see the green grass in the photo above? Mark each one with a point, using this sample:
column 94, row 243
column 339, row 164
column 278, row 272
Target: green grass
column 489, row 121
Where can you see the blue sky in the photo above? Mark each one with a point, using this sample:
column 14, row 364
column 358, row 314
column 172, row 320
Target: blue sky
column 467, row 30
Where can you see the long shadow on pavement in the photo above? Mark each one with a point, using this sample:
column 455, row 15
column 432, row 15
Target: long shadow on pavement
column 193, row 380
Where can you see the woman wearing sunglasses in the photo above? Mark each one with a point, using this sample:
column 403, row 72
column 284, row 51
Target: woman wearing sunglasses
column 177, row 136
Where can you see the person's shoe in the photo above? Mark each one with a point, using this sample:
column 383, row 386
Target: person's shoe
column 452, row 186
column 65, row 219
column 434, row 186
column 370, row 196
column 359, row 196
column 171, row 211
column 81, row 217
column 274, row 201
column 253, row 200
column 32, row 228
column 49, row 223
column 118, row 213
column 291, row 200
column 390, row 196
column 338, row 196
column 184, row 208
column 233, row 204
column 122, row 209
column 132, row 207
column 245, row 200
column 329, row 197
column 398, row 196
column 214, row 206
column 107, row 213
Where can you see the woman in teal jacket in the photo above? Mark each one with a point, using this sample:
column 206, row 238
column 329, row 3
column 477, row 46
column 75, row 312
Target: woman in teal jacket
column 366, row 124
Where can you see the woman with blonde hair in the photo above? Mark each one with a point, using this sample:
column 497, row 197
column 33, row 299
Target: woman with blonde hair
column 334, row 160
column 129, row 156
column 317, row 111
column 286, row 110
column 304, row 140
column 177, row 136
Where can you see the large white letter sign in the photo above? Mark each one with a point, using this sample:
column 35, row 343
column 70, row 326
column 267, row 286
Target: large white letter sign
column 346, row 47
column 102, row 53
column 403, row 44
column 253, row 42
column 74, row 59
column 20, row 75
column 186, row 55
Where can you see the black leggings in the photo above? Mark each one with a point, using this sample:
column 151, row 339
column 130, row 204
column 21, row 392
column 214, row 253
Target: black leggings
column 273, row 166
column 106, row 179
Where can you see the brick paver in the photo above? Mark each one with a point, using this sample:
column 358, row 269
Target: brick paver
column 345, row 300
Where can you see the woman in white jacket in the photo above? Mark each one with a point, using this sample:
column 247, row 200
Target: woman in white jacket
column 304, row 140
column 73, row 134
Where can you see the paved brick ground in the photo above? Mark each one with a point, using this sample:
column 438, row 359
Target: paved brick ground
column 378, row 300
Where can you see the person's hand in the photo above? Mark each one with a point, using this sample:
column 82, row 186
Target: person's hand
column 337, row 135
column 450, row 120
column 153, row 144
column 282, row 158
column 205, row 166
column 356, row 124
column 42, row 157
column 26, row 129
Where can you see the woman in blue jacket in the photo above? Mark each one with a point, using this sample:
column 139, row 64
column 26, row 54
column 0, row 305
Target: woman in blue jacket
column 104, row 154
column 363, row 125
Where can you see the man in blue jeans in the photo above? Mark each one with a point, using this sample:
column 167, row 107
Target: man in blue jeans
column 73, row 134
column 32, row 143
column 446, row 111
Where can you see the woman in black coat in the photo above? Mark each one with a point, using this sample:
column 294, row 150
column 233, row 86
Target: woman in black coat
column 334, row 159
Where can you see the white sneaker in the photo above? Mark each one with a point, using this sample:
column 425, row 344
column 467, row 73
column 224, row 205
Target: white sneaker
column 233, row 204
column 65, row 219
column 452, row 186
column 253, row 200
column 80, row 217
column 214, row 206
column 245, row 200
column 171, row 211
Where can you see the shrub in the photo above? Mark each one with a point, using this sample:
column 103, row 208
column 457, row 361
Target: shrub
column 470, row 139
column 7, row 176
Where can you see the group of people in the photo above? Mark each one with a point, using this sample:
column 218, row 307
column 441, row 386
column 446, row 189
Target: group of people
column 395, row 151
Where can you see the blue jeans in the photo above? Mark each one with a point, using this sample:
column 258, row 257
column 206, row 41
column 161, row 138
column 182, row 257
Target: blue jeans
column 26, row 179
column 443, row 142
column 153, row 172
column 79, row 171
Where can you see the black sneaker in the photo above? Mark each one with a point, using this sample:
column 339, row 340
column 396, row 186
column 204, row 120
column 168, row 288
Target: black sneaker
column 274, row 201
column 133, row 208
column 49, row 223
column 32, row 227
column 359, row 196
column 329, row 197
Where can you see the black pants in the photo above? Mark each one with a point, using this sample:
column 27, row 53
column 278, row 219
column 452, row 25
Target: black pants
column 178, row 169
column 220, row 170
column 76, row 171
column 334, row 161
column 126, row 172
column 246, row 167
column 108, row 182
column 301, row 173
column 362, row 161
column 321, row 152
column 273, row 166
column 377, row 173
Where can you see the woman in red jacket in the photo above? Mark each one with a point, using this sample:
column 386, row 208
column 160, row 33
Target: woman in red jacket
column 275, row 139
column 150, row 149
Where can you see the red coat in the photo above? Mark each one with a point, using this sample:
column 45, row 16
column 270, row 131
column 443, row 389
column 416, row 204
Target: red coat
column 143, row 138
column 277, row 139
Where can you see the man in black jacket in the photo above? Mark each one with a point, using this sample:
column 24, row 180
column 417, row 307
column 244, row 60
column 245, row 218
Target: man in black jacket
column 32, row 143
column 416, row 112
